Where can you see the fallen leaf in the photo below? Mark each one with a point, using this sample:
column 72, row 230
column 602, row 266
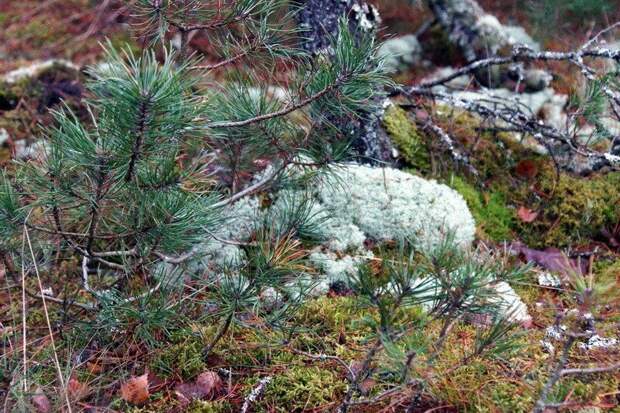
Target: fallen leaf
column 40, row 402
column 77, row 390
column 366, row 386
column 551, row 259
column 207, row 385
column 136, row 390
column 526, row 214
column 527, row 168
column 94, row 367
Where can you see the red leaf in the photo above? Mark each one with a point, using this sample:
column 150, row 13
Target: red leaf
column 77, row 390
column 136, row 390
column 526, row 214
column 41, row 402
column 527, row 168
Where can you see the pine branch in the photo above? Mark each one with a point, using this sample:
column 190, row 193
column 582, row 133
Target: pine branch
column 282, row 112
column 140, row 130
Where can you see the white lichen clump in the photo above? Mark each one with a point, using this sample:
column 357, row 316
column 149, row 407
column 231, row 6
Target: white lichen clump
column 598, row 342
column 35, row 69
column 241, row 219
column 362, row 203
column 338, row 268
column 546, row 279
column 387, row 204
column 357, row 204
column 512, row 306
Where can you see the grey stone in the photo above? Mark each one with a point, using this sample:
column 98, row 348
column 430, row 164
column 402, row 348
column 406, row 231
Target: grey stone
column 401, row 53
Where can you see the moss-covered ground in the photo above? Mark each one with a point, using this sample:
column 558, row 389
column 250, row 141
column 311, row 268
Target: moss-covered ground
column 102, row 351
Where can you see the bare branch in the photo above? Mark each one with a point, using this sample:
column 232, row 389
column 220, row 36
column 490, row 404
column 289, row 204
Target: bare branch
column 590, row 370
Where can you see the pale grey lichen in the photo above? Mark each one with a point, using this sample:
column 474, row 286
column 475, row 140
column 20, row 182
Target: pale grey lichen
column 338, row 268
column 546, row 279
column 307, row 286
column 598, row 342
column 240, row 221
column 555, row 332
column 511, row 305
column 400, row 53
column 35, row 69
column 388, row 204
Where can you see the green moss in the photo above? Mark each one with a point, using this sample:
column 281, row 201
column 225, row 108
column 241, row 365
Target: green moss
column 328, row 314
column 201, row 406
column 182, row 359
column 250, row 347
column 405, row 136
column 607, row 272
column 493, row 217
column 571, row 209
column 302, row 388
column 511, row 397
column 38, row 32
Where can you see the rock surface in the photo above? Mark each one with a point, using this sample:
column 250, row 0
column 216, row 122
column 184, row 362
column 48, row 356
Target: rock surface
column 401, row 53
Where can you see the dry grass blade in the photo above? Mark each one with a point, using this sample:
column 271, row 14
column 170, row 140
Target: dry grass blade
column 47, row 320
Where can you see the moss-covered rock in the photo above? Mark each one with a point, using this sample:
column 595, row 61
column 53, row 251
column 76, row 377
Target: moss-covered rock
column 406, row 137
column 571, row 209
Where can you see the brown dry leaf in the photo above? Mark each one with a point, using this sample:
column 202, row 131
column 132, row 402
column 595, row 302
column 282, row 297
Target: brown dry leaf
column 526, row 214
column 40, row 402
column 367, row 385
column 95, row 367
column 207, row 385
column 136, row 390
column 77, row 390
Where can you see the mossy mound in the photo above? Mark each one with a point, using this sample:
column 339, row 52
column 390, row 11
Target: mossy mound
column 572, row 210
column 494, row 219
column 302, row 388
column 25, row 100
column 406, row 137
column 569, row 209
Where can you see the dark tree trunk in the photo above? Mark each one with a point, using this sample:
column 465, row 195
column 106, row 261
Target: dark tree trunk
column 319, row 20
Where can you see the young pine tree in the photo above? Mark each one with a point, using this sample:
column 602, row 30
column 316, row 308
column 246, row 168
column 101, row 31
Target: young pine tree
column 169, row 144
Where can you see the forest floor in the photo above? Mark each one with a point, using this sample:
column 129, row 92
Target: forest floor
column 519, row 200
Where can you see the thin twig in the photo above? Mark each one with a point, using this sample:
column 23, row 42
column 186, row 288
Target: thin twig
column 590, row 370
column 255, row 393
column 175, row 260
